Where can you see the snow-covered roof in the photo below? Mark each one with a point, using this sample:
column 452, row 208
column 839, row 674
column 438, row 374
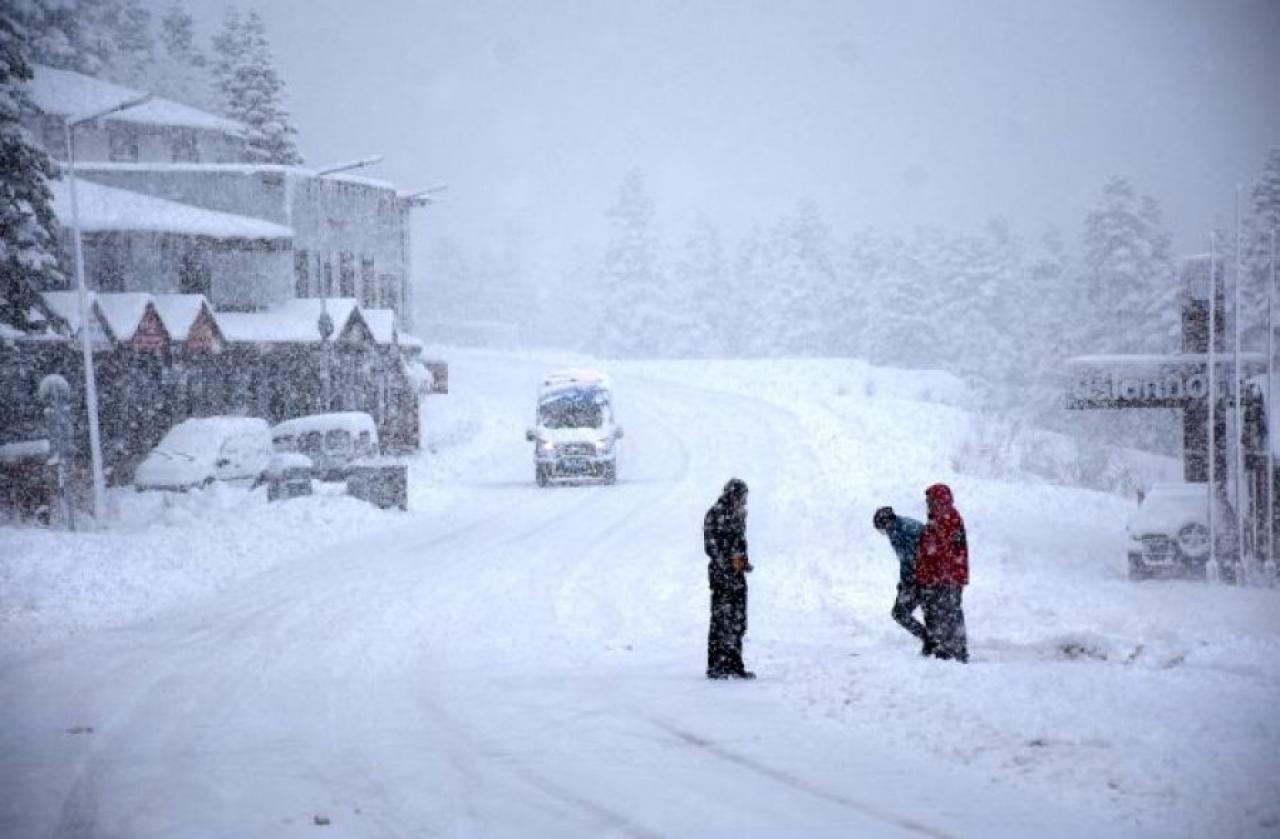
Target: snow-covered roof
column 1149, row 360
column 68, row 94
column 123, row 311
column 572, row 380
column 235, row 168
column 66, row 305
column 179, row 312
column 296, row 321
column 105, row 208
column 353, row 422
column 382, row 323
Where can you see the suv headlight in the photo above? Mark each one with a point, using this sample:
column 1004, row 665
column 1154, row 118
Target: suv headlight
column 1193, row 539
column 546, row 446
column 604, row 445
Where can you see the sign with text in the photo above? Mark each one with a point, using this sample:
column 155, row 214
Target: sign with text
column 1119, row 382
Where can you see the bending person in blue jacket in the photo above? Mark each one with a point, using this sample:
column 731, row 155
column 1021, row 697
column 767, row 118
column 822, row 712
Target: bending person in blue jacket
column 904, row 536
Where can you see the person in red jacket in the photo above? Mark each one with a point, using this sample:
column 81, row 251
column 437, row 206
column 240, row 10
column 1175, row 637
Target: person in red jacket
column 942, row 572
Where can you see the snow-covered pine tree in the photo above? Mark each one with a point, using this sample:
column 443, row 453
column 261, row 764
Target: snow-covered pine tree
column 634, row 318
column 703, row 299
column 28, row 227
column 987, row 330
column 857, row 299
column 68, row 34
column 1128, row 271
column 131, row 62
column 906, row 330
column 1262, row 223
column 180, row 70
column 228, row 54
column 747, row 321
column 800, row 296
column 251, row 89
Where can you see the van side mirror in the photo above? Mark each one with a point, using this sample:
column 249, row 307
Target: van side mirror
column 529, row 435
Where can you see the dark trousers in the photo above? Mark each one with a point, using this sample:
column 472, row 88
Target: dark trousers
column 908, row 600
column 944, row 621
column 728, row 625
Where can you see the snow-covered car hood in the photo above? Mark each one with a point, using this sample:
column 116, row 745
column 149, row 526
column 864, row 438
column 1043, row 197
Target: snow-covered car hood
column 164, row 469
column 1168, row 508
column 574, row 435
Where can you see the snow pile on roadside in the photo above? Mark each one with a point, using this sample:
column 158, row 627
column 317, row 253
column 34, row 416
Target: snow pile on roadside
column 162, row 550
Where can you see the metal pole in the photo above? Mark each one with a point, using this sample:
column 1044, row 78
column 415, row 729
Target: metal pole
column 86, row 348
column 1212, row 398
column 1272, row 428
column 1238, row 386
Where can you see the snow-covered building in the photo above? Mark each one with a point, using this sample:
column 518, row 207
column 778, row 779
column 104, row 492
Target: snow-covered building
column 159, row 130
column 169, row 203
column 139, row 243
column 208, row 276
column 349, row 235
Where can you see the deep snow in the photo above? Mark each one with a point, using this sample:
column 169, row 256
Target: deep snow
column 534, row 656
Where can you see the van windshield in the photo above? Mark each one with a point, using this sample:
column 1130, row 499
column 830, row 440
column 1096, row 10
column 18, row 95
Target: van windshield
column 578, row 409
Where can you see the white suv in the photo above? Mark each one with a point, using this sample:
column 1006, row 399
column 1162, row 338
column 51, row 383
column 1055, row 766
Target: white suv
column 1169, row 535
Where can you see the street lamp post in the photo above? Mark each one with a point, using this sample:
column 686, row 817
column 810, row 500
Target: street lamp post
column 86, row 347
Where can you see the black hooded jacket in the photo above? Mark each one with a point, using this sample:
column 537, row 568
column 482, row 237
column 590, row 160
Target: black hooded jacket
column 724, row 536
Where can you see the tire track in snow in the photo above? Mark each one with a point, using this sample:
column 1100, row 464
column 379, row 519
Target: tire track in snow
column 787, row 779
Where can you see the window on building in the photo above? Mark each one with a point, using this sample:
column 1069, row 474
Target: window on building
column 301, row 273
column 347, row 274
column 195, row 276
column 368, row 282
column 328, row 278
column 390, row 291
column 183, row 146
column 122, row 141
column 113, row 254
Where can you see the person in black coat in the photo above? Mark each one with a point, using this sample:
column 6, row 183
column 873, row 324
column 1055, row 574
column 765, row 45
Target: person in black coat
column 724, row 534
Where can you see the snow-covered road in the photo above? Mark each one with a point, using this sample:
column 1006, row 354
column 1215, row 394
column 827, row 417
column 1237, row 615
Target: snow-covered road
column 514, row 662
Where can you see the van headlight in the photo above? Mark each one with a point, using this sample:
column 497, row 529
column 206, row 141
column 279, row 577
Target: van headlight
column 546, row 446
column 604, row 445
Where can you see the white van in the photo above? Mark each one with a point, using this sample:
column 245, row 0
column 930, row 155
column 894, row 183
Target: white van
column 333, row 441
column 575, row 434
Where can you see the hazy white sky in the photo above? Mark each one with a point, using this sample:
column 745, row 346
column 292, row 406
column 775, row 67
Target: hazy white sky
column 887, row 114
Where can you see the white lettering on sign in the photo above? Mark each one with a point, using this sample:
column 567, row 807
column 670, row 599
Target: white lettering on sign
column 1170, row 386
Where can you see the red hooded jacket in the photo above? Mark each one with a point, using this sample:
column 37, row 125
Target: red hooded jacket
column 944, row 548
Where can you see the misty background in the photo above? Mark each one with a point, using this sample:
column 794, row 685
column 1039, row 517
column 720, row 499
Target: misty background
column 900, row 128
column 986, row 188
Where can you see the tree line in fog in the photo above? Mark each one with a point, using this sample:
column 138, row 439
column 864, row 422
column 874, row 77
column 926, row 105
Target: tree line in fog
column 989, row 304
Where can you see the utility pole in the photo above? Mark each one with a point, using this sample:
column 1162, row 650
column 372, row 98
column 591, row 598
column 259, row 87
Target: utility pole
column 1212, row 399
column 1242, row 560
column 1271, row 409
column 86, row 345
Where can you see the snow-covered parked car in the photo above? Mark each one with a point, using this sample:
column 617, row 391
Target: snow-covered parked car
column 199, row 451
column 333, row 441
column 1169, row 534
column 576, row 435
